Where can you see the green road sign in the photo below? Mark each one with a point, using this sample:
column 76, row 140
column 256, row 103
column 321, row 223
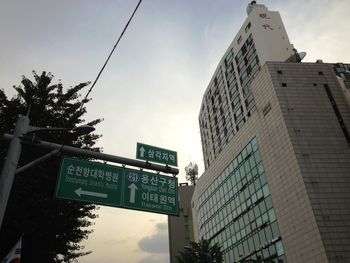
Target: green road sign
column 116, row 186
column 150, row 192
column 156, row 154
column 89, row 181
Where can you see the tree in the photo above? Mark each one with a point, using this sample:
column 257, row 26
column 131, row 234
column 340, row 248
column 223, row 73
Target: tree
column 192, row 173
column 201, row 252
column 52, row 229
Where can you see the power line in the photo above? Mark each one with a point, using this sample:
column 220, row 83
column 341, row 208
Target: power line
column 110, row 54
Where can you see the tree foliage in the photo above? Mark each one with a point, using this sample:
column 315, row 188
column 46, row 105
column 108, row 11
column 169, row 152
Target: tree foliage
column 52, row 229
column 201, row 252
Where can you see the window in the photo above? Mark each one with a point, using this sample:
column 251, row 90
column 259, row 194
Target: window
column 279, row 248
column 246, row 89
column 320, row 73
column 234, row 91
column 284, row 84
column 240, row 124
column 249, row 70
column 249, row 100
column 229, row 57
column 249, row 41
column 244, row 49
column 238, row 113
column 243, row 76
column 272, row 215
column 250, row 53
column 239, row 39
column 241, row 66
column 247, row 27
column 230, row 80
column 235, row 102
column 279, row 72
column 254, row 63
column 238, row 56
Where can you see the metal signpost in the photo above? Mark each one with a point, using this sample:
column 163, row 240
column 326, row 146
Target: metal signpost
column 117, row 186
column 156, row 154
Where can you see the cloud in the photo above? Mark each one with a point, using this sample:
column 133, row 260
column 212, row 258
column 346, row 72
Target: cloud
column 155, row 259
column 158, row 242
column 162, row 226
column 114, row 241
column 317, row 26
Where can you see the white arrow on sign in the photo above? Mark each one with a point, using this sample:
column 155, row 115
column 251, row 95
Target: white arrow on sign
column 81, row 192
column 142, row 152
column 133, row 189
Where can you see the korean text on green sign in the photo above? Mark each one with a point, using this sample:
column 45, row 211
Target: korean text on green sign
column 116, row 186
column 156, row 154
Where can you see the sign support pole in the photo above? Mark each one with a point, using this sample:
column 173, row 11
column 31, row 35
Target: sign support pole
column 10, row 165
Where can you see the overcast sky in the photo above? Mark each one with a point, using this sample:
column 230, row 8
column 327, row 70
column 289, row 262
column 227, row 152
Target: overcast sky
column 151, row 90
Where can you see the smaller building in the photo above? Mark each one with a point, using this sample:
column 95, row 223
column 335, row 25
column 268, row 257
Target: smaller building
column 180, row 227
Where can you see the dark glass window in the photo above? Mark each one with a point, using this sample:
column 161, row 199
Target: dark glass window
column 247, row 27
column 239, row 39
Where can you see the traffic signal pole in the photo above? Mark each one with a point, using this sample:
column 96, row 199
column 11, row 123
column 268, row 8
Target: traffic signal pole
column 11, row 162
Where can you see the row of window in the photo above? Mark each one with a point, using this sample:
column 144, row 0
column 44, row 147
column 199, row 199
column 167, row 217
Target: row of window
column 236, row 211
column 241, row 196
column 236, row 162
column 239, row 40
column 247, row 59
column 236, row 187
column 222, row 133
column 249, row 69
column 229, row 57
column 243, row 50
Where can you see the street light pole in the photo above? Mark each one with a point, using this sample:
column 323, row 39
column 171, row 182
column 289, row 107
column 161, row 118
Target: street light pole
column 11, row 162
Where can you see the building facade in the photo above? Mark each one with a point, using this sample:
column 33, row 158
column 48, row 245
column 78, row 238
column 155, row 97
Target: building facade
column 228, row 101
column 181, row 227
column 280, row 190
column 275, row 138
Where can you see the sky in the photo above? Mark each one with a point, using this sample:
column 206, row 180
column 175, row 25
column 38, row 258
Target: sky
column 152, row 88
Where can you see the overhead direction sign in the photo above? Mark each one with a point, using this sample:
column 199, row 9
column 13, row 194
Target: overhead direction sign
column 116, row 186
column 149, row 191
column 90, row 181
column 156, row 154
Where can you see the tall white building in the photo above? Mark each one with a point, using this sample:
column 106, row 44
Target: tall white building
column 228, row 101
column 276, row 143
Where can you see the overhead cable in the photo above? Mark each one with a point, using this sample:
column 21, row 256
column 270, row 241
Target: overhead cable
column 110, row 54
